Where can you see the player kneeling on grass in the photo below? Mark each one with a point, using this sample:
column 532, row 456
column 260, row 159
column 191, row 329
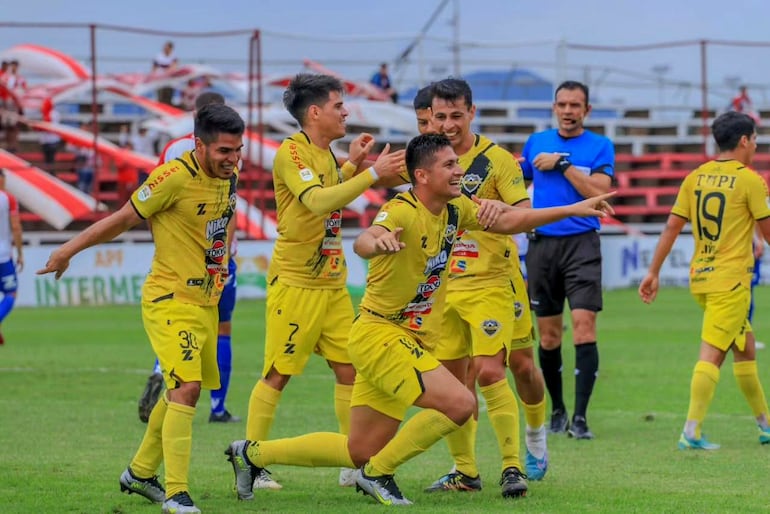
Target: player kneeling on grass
column 409, row 245
column 722, row 199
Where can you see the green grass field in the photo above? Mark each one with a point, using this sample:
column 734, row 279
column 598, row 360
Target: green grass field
column 70, row 379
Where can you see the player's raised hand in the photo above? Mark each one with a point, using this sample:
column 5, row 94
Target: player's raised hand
column 390, row 242
column 360, row 147
column 648, row 288
column 489, row 211
column 57, row 262
column 389, row 163
column 594, row 206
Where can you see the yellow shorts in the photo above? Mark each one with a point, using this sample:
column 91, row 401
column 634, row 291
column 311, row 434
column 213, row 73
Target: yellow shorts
column 301, row 321
column 476, row 322
column 725, row 317
column 184, row 337
column 389, row 364
column 523, row 336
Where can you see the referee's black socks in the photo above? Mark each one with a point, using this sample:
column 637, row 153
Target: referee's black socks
column 586, row 369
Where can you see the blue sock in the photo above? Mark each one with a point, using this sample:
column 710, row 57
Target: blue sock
column 225, row 363
column 6, row 304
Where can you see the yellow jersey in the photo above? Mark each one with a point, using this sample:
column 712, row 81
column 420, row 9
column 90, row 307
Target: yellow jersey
column 308, row 252
column 722, row 200
column 189, row 212
column 490, row 172
column 403, row 287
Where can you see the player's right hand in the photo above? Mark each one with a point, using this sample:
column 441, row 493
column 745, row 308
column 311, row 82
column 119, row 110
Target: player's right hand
column 56, row 263
column 648, row 288
column 389, row 242
column 390, row 164
column 594, row 206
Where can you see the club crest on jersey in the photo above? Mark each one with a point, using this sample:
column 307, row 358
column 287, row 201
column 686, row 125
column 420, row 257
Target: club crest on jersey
column 450, row 233
column 233, row 201
column 471, row 182
column 490, row 327
column 144, row 194
column 518, row 309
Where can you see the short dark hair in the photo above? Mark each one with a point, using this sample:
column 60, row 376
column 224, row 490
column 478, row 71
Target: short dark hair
column 422, row 149
column 214, row 119
column 571, row 85
column 208, row 97
column 729, row 127
column 423, row 98
column 453, row 89
column 308, row 89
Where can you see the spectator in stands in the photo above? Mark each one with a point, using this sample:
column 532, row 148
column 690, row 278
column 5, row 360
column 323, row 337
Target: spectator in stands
column 723, row 214
column 10, row 236
column 194, row 88
column 49, row 141
column 742, row 103
column 381, row 79
column 16, row 84
column 85, row 164
column 564, row 259
column 124, row 137
column 165, row 62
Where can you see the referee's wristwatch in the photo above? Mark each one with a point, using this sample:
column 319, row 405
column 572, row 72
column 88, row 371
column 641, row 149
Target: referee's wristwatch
column 562, row 164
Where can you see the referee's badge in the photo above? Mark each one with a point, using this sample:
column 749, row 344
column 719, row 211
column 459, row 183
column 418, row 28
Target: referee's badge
column 490, row 327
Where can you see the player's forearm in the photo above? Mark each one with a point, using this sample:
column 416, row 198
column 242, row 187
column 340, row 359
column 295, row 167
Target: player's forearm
column 665, row 243
column 365, row 246
column 102, row 231
column 517, row 219
column 17, row 237
column 323, row 200
column 586, row 185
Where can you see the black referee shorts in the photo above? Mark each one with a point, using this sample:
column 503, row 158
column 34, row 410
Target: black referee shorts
column 565, row 267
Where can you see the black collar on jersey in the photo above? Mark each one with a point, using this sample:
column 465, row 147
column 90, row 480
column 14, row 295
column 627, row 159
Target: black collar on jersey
column 193, row 172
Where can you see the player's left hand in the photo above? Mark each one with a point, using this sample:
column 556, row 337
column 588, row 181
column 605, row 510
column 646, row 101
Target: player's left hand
column 57, row 262
column 594, row 206
column 489, row 210
column 19, row 263
column 390, row 242
column 360, row 147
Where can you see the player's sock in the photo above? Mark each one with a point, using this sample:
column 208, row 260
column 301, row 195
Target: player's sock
column 586, row 370
column 6, row 305
column 748, row 380
column 342, row 394
column 551, row 364
column 150, row 454
column 418, row 434
column 503, row 411
column 319, row 449
column 177, row 445
column 225, row 363
column 534, row 413
column 705, row 377
column 262, row 405
column 462, row 448
column 156, row 368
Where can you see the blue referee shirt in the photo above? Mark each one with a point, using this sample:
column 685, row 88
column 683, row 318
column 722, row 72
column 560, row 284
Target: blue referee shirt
column 590, row 153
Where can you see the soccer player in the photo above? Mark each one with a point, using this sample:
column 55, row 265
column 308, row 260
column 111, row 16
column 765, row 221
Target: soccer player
column 487, row 314
column 10, row 236
column 190, row 203
column 408, row 245
column 564, row 260
column 175, row 149
column 308, row 305
column 722, row 199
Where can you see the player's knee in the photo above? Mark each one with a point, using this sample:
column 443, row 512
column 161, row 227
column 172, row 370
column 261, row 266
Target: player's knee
column 489, row 371
column 522, row 366
column 462, row 406
column 359, row 451
column 187, row 393
column 344, row 373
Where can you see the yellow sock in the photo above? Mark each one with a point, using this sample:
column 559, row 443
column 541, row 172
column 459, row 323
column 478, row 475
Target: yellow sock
column 177, row 445
column 535, row 413
column 262, row 405
column 150, row 454
column 342, row 394
column 321, row 449
column 705, row 377
column 748, row 380
column 462, row 448
column 418, row 434
column 503, row 412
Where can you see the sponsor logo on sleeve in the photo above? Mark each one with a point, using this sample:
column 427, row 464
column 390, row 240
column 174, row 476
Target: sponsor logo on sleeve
column 382, row 216
column 306, row 174
column 144, row 194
